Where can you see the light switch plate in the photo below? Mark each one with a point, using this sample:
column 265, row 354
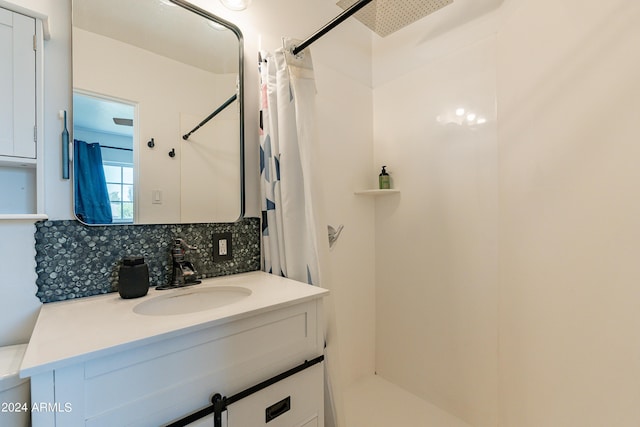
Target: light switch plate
column 156, row 197
column 222, row 241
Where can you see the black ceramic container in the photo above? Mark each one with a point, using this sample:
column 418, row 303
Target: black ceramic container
column 133, row 277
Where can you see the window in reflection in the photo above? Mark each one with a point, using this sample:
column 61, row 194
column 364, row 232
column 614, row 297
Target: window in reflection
column 119, row 179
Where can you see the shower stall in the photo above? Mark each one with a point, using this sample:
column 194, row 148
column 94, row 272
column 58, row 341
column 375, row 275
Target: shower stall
column 497, row 286
column 386, row 319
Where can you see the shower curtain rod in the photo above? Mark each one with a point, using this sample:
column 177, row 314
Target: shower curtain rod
column 211, row 116
column 331, row 25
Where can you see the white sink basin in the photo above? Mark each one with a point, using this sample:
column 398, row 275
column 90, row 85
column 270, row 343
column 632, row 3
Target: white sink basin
column 191, row 300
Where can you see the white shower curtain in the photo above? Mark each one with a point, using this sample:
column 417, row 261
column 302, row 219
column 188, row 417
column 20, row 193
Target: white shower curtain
column 287, row 145
column 293, row 228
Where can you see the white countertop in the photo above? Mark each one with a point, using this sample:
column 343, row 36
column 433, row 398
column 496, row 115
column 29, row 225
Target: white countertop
column 77, row 330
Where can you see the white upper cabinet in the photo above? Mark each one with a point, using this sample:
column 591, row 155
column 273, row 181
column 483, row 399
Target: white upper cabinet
column 17, row 85
column 21, row 112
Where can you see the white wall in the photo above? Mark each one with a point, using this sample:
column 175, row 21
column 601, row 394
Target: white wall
column 18, row 197
column 516, row 304
column 18, row 304
column 568, row 110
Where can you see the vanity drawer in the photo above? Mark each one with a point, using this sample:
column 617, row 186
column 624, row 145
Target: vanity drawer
column 296, row 401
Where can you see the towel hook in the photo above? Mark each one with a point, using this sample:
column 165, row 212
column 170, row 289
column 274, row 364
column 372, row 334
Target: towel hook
column 334, row 234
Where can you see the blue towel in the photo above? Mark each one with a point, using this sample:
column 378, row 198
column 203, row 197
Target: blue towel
column 92, row 204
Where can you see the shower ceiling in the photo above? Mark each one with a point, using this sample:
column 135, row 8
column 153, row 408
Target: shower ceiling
column 387, row 16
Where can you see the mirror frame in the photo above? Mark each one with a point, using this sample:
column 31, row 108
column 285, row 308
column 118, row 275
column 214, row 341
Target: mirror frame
column 240, row 96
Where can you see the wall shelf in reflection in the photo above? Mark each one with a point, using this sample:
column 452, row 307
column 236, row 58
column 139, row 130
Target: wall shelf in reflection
column 376, row 193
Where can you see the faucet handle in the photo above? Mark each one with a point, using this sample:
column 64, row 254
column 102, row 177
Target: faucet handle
column 180, row 242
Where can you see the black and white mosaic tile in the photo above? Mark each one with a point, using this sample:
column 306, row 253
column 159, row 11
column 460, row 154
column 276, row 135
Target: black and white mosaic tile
column 74, row 260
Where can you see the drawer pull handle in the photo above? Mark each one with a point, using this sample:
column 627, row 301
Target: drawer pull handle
column 277, row 409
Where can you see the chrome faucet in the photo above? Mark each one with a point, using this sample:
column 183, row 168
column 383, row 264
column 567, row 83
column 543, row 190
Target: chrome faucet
column 184, row 273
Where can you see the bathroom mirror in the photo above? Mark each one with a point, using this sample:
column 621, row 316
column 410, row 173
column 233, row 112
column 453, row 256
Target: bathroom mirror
column 146, row 73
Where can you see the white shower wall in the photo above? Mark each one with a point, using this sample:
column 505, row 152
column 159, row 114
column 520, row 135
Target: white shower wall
column 436, row 243
column 507, row 270
column 568, row 114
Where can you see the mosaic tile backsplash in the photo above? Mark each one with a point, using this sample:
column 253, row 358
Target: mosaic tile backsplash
column 74, row 260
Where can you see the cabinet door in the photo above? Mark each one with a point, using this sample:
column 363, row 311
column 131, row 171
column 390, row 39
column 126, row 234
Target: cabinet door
column 17, row 85
column 297, row 401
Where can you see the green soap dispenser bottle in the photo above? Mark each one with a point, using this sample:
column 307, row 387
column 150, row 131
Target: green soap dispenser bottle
column 384, row 179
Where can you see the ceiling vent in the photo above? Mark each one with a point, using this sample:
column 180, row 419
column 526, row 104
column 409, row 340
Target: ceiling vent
column 388, row 16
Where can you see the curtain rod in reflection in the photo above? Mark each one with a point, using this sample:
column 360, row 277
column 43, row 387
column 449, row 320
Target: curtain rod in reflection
column 211, row 116
column 116, row 148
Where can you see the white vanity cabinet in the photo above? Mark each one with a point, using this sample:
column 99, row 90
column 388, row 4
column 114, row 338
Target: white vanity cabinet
column 158, row 380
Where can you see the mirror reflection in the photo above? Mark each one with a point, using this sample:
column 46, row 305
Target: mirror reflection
column 107, row 197
column 145, row 74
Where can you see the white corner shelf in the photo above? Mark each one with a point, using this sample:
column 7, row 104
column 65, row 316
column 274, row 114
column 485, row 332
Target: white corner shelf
column 376, row 193
column 32, row 217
